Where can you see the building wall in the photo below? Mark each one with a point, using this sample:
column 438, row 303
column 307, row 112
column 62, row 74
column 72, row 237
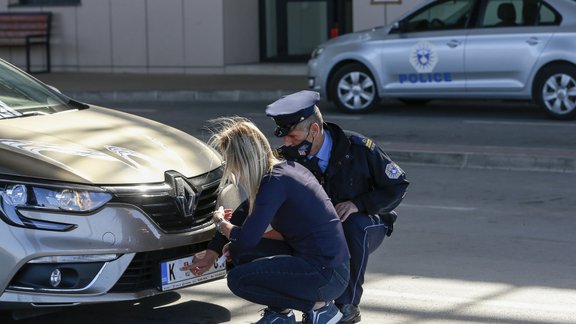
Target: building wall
column 164, row 36
column 144, row 36
column 367, row 14
column 241, row 32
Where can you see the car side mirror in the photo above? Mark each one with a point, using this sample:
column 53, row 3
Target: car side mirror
column 398, row 27
column 54, row 88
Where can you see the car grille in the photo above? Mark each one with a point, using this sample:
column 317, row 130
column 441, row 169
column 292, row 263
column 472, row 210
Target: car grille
column 160, row 203
column 144, row 270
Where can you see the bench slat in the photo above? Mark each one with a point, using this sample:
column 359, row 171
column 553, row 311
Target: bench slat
column 28, row 26
column 23, row 19
column 26, row 29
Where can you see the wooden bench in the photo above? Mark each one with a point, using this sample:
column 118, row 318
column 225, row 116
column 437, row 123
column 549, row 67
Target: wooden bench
column 26, row 29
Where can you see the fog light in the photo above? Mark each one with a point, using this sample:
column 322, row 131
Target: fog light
column 55, row 278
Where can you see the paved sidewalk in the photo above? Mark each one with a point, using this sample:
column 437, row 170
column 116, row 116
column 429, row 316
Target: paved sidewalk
column 266, row 84
column 90, row 87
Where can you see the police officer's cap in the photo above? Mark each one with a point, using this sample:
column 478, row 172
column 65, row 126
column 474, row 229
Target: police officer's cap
column 292, row 109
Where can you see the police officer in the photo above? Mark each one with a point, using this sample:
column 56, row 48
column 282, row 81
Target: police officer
column 364, row 184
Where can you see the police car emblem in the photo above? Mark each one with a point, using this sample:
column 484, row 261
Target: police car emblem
column 424, row 57
column 393, row 171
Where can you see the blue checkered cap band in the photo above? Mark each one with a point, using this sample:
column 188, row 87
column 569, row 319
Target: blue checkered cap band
column 292, row 109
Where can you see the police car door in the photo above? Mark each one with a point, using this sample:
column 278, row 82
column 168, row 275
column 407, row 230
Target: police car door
column 427, row 56
column 502, row 51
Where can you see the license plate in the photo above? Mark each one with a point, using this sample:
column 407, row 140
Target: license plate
column 174, row 277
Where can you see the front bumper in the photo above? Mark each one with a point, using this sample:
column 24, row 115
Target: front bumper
column 314, row 82
column 117, row 229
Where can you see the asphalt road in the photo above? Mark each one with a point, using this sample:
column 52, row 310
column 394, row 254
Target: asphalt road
column 471, row 245
column 488, row 123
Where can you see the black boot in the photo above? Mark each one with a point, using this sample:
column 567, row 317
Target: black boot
column 350, row 314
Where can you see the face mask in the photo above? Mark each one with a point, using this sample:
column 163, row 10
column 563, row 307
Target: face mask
column 296, row 152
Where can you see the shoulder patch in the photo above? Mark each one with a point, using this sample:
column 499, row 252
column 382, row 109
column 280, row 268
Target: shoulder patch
column 393, row 171
column 364, row 141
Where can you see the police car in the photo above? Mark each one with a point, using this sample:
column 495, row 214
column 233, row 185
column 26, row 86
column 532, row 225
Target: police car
column 496, row 49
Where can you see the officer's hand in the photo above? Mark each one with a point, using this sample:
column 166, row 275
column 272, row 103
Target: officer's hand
column 226, row 252
column 344, row 209
column 202, row 262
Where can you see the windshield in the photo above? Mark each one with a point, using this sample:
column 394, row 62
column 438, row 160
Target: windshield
column 441, row 15
column 22, row 96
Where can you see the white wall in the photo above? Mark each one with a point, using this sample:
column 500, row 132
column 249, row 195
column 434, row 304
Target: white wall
column 241, row 31
column 165, row 36
column 143, row 36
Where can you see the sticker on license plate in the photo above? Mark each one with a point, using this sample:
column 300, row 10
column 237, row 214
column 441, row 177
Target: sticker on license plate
column 174, row 277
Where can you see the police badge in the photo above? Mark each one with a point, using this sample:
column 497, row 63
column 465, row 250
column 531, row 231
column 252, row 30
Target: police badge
column 393, row 171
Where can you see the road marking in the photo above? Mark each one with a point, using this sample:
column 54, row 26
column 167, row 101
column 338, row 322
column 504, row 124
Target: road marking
column 469, row 297
column 511, row 123
column 455, row 208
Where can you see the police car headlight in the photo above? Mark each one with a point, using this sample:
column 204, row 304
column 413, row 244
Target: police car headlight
column 317, row 52
column 71, row 199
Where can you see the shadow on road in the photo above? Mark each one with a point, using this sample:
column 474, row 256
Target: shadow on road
column 149, row 310
column 500, row 109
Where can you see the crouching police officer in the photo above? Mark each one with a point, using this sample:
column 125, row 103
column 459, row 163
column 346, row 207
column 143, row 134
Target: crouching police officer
column 364, row 184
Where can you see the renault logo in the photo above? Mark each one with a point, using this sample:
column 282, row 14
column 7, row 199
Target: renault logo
column 186, row 197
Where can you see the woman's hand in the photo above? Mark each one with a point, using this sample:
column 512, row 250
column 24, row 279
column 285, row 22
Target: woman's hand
column 202, row 262
column 223, row 226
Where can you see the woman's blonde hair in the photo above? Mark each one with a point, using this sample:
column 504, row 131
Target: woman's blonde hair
column 246, row 152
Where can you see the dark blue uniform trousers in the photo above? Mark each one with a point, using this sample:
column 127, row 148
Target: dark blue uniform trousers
column 364, row 234
column 269, row 275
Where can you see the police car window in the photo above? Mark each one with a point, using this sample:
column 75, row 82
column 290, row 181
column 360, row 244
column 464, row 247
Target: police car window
column 513, row 13
column 548, row 16
column 448, row 14
column 530, row 12
column 502, row 13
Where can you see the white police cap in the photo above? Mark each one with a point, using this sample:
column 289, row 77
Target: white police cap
column 292, row 109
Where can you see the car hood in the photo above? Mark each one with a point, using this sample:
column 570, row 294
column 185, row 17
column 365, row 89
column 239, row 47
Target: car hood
column 99, row 146
column 359, row 36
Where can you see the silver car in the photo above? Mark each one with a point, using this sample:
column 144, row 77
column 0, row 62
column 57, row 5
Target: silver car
column 496, row 49
column 97, row 205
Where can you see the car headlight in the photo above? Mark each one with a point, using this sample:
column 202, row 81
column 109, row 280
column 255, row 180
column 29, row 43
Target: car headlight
column 60, row 199
column 317, row 52
column 76, row 200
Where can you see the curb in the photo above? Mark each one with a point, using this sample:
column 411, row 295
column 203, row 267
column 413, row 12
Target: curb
column 527, row 159
column 178, row 96
column 486, row 161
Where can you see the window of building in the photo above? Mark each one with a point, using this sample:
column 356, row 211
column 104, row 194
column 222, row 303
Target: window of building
column 38, row 3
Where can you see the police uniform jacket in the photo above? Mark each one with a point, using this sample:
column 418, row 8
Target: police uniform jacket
column 359, row 171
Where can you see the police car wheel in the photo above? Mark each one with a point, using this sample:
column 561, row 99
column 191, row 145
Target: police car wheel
column 555, row 91
column 353, row 89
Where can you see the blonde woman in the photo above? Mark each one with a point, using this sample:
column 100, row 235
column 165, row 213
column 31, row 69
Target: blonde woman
column 285, row 197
